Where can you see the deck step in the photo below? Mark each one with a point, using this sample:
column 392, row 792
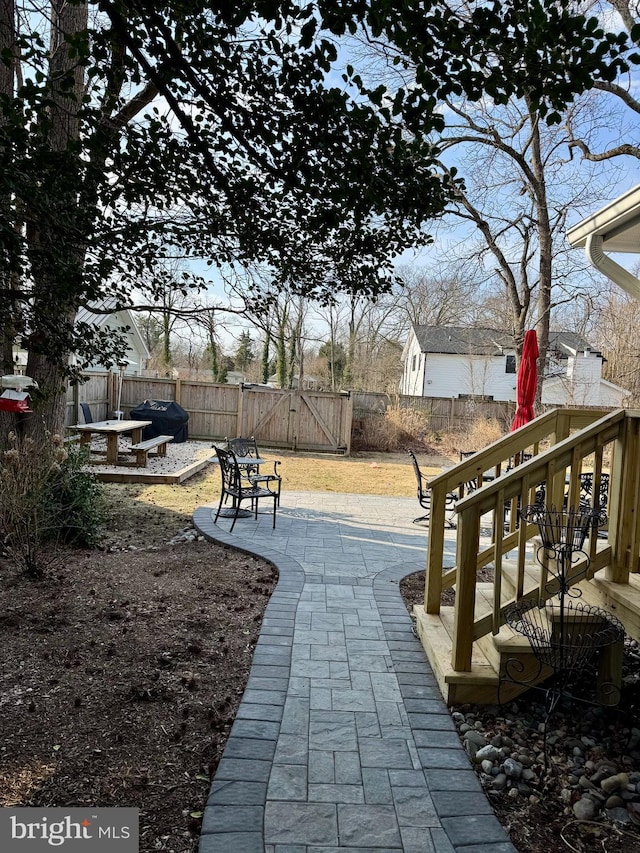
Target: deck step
column 620, row 599
column 482, row 684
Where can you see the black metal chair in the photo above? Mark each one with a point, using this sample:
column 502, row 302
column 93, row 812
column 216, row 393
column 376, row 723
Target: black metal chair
column 586, row 491
column 424, row 496
column 232, row 487
column 86, row 413
column 247, row 447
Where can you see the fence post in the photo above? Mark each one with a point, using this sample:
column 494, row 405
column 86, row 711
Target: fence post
column 76, row 404
column 240, row 409
column 347, row 422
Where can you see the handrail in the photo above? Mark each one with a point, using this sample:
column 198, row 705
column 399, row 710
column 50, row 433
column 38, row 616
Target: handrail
column 536, row 468
column 556, row 425
column 560, row 468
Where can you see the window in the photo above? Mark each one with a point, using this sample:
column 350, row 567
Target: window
column 511, row 364
column 413, row 363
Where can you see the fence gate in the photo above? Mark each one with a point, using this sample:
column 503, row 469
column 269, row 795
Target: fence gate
column 298, row 420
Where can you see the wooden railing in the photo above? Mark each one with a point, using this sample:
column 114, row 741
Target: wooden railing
column 563, row 444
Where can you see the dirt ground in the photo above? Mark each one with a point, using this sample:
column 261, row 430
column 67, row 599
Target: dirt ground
column 122, row 673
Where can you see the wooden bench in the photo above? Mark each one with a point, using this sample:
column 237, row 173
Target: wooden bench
column 143, row 447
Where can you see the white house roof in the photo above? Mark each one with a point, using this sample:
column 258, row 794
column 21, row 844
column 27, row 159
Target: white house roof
column 460, row 339
column 615, row 387
column 97, row 318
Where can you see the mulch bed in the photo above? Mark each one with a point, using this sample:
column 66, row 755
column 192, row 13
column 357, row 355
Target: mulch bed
column 122, row 673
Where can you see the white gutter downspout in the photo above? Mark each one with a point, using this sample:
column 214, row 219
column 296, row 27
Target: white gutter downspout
column 619, row 275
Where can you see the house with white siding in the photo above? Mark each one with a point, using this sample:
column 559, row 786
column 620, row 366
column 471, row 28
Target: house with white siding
column 136, row 355
column 476, row 363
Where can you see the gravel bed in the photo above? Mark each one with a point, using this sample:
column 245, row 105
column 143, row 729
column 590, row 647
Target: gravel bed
column 178, row 457
column 588, row 770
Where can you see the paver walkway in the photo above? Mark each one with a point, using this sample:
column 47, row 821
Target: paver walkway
column 342, row 740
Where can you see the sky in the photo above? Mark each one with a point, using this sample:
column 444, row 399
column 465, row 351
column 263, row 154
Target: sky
column 608, row 184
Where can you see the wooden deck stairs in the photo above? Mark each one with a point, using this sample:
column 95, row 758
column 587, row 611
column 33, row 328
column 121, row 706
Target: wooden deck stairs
column 493, row 656
column 475, row 656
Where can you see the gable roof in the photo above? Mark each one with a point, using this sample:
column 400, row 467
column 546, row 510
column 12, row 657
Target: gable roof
column 468, row 340
column 107, row 309
column 462, row 340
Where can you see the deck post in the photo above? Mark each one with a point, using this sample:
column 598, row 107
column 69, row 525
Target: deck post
column 435, row 548
column 467, row 558
column 623, row 502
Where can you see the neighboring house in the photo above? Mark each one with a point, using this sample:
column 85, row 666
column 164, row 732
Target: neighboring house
column 453, row 361
column 309, row 383
column 136, row 354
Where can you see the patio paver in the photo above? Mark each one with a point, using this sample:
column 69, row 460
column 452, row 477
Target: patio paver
column 342, row 741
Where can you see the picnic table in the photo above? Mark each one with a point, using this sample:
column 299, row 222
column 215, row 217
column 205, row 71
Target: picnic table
column 112, row 430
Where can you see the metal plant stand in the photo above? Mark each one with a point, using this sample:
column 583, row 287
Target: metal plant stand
column 564, row 632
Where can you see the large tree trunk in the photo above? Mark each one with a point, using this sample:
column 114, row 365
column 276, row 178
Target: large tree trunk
column 56, row 242
column 545, row 259
column 7, row 213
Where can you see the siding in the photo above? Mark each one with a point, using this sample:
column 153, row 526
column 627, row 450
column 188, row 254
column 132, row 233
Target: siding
column 451, row 375
column 412, row 380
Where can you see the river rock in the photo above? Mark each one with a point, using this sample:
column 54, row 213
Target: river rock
column 486, row 753
column 512, row 768
column 584, row 808
column 614, row 783
column 499, row 783
column 619, row 815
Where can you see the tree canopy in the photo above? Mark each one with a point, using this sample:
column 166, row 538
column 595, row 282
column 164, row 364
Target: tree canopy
column 232, row 133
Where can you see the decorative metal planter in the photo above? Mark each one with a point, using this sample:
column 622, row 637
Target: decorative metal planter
column 564, row 633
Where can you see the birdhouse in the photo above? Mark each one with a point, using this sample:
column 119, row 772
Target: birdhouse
column 15, row 398
column 14, row 401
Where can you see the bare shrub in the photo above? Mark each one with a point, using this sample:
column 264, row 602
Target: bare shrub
column 481, row 433
column 398, row 428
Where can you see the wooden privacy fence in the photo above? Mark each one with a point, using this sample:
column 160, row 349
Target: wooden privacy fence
column 296, row 420
column 445, row 413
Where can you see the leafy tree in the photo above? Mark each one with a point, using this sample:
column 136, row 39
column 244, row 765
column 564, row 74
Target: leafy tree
column 128, row 129
column 264, row 362
column 140, row 128
column 618, row 94
column 244, row 354
column 281, row 349
column 336, row 359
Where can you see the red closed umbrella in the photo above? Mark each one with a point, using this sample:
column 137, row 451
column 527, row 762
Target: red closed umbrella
column 527, row 381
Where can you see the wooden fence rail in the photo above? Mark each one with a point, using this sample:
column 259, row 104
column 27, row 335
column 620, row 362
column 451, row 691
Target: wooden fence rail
column 297, row 420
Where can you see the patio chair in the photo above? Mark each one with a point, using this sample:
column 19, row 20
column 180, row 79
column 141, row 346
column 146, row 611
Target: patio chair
column 586, row 490
column 232, row 487
column 424, row 496
column 86, row 413
column 247, row 447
